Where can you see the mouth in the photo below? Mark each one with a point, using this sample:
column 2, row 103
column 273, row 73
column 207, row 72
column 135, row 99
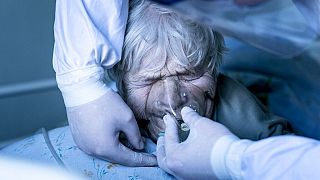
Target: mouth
column 157, row 121
column 156, row 127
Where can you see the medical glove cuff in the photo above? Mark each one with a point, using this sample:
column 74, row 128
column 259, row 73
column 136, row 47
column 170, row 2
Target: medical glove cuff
column 82, row 86
column 218, row 156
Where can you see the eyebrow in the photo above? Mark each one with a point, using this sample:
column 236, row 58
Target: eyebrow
column 149, row 76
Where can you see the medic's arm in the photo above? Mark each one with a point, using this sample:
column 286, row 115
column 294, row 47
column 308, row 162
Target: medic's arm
column 88, row 38
column 281, row 157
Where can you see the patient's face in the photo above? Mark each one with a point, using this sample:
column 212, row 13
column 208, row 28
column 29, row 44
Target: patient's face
column 153, row 94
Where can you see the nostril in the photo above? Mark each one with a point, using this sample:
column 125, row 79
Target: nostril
column 184, row 97
column 161, row 109
column 158, row 104
column 172, row 108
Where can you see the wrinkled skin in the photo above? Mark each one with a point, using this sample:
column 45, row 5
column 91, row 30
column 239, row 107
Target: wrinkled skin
column 153, row 94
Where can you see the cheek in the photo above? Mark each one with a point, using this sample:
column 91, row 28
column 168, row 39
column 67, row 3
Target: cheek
column 198, row 89
column 137, row 100
column 201, row 85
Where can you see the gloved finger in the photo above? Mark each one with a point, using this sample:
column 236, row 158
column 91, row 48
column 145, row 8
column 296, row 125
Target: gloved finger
column 189, row 116
column 128, row 157
column 161, row 155
column 171, row 133
column 132, row 132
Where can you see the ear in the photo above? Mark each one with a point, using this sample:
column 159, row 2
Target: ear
column 209, row 104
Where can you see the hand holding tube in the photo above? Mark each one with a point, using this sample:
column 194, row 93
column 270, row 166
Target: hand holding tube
column 190, row 159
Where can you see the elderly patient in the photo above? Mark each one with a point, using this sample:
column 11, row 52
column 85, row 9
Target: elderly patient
column 170, row 62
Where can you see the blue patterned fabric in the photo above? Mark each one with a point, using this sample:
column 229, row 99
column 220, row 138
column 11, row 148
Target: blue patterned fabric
column 34, row 148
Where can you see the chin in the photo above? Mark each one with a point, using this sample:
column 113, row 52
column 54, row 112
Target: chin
column 155, row 127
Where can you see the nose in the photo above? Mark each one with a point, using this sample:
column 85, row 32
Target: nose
column 172, row 97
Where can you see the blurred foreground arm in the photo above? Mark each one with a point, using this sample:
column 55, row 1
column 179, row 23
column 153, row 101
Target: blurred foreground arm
column 211, row 151
column 88, row 39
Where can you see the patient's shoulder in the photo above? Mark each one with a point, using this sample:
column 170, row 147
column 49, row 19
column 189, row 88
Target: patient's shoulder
column 228, row 88
column 238, row 109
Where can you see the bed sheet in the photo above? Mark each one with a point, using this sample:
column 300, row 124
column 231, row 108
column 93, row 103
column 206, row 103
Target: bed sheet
column 34, row 148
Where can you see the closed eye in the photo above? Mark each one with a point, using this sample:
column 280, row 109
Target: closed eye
column 142, row 83
column 190, row 77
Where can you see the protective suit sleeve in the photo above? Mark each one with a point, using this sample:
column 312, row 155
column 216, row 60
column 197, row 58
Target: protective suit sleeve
column 89, row 36
column 282, row 157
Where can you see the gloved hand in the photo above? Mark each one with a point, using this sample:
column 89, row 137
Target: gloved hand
column 190, row 159
column 96, row 126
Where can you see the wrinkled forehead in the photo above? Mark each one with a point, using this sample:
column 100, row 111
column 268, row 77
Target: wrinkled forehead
column 155, row 67
column 158, row 60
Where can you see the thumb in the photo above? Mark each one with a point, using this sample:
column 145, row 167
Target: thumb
column 132, row 132
column 189, row 116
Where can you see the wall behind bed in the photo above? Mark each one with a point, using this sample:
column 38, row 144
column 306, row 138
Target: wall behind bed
column 29, row 97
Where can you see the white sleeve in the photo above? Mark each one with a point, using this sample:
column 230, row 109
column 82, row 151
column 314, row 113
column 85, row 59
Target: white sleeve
column 281, row 157
column 88, row 36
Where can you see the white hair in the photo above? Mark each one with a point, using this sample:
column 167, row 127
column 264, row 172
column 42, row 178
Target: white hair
column 152, row 29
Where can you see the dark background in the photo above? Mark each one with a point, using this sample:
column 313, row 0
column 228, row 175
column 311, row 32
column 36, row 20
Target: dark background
column 29, row 97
